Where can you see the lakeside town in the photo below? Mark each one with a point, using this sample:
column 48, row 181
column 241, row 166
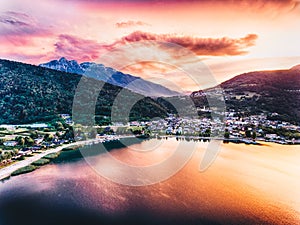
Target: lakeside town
column 234, row 127
column 18, row 142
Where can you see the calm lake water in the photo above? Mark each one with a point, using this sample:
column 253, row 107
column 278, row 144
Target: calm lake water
column 246, row 184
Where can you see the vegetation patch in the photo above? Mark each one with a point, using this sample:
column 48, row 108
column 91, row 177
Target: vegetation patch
column 26, row 169
column 51, row 156
column 41, row 162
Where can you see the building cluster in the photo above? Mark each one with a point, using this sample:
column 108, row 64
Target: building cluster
column 185, row 126
column 256, row 127
column 17, row 142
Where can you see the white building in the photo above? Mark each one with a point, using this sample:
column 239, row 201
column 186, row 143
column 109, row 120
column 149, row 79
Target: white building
column 10, row 143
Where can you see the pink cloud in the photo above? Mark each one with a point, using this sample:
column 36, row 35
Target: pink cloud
column 200, row 46
column 80, row 49
column 77, row 48
column 130, row 23
column 19, row 29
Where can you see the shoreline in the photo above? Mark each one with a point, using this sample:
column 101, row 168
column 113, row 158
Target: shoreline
column 6, row 172
column 226, row 140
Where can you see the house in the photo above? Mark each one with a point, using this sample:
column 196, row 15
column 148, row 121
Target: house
column 25, row 151
column 36, row 148
column 271, row 136
column 65, row 116
column 10, row 143
column 38, row 140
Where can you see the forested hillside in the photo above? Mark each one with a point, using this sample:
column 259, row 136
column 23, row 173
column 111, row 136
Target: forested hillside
column 34, row 94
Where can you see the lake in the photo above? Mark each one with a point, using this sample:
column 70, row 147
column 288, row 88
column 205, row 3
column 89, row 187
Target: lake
column 246, row 184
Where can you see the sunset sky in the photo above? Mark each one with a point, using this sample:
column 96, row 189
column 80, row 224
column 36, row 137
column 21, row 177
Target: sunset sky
column 228, row 36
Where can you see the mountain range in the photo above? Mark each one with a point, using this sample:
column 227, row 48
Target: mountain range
column 110, row 75
column 33, row 93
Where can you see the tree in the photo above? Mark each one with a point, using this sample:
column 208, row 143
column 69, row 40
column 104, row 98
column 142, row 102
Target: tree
column 207, row 133
column 59, row 126
column 29, row 141
column 48, row 137
column 254, row 135
column 15, row 152
column 20, row 140
column 57, row 134
column 69, row 134
column 34, row 135
column 2, row 141
column 226, row 135
column 248, row 133
column 7, row 155
column 46, row 130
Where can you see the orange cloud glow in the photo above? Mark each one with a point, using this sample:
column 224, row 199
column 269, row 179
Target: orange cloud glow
column 200, row 46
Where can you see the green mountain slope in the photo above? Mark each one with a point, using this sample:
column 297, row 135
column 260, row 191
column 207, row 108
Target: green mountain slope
column 30, row 93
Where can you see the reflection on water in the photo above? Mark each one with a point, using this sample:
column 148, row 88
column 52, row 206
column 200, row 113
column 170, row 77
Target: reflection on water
column 245, row 185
